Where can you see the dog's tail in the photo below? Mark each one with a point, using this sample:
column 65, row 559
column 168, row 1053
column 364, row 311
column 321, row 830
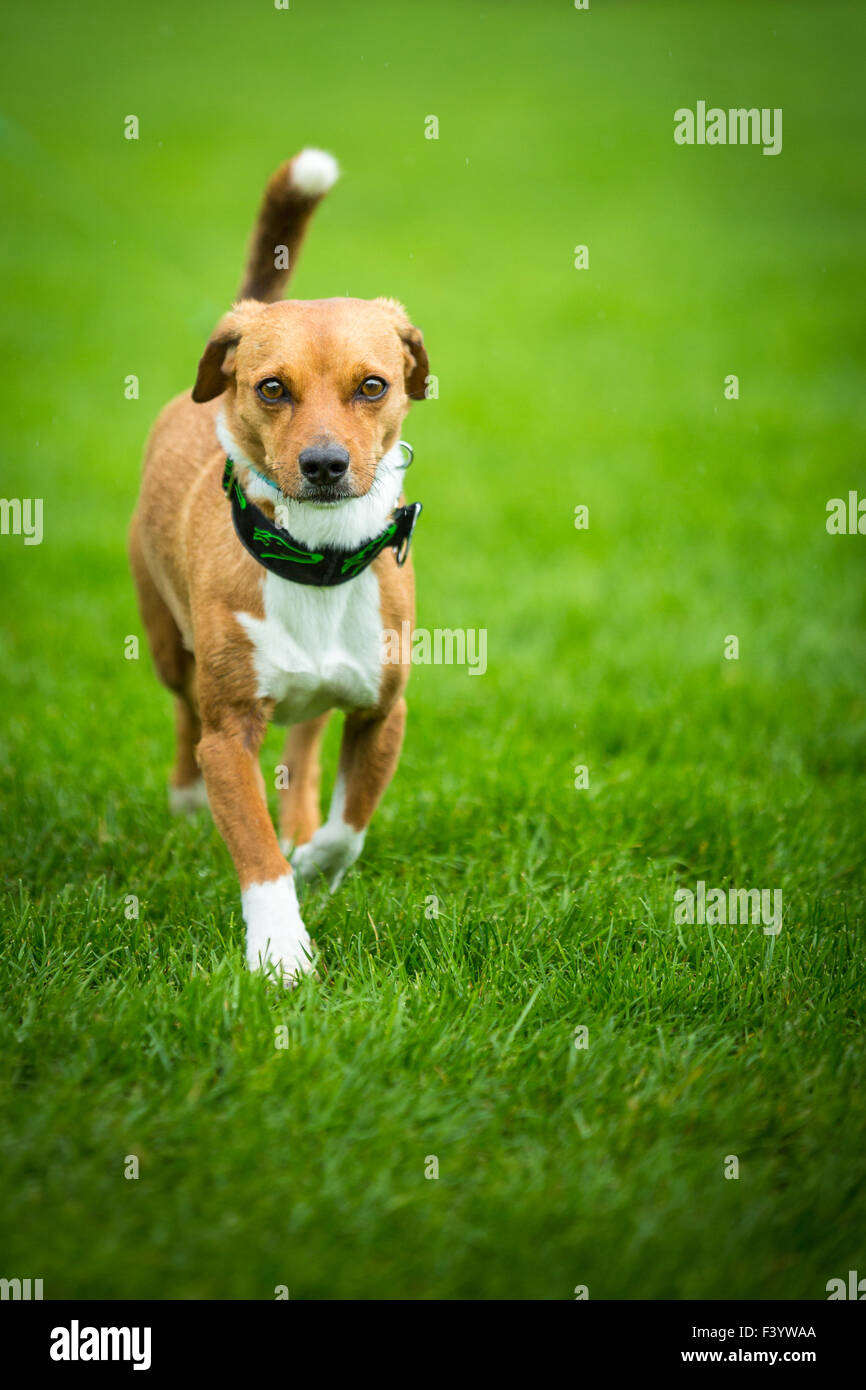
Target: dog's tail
column 289, row 202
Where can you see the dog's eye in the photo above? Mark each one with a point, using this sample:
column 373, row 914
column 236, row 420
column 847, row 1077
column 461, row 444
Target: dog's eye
column 272, row 389
column 372, row 387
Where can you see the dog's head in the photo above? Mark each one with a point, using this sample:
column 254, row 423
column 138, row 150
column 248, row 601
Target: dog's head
column 315, row 390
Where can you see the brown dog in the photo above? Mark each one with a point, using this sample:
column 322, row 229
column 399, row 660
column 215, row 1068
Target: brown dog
column 265, row 582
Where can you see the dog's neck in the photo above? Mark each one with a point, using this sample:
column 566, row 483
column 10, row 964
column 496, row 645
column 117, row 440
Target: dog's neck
column 343, row 525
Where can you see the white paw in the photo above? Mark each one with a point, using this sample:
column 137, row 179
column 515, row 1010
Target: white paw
column 332, row 850
column 183, row 801
column 277, row 940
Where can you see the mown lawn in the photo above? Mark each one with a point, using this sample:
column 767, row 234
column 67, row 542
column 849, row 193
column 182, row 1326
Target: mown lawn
column 453, row 1035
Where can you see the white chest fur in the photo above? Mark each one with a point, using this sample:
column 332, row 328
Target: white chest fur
column 317, row 649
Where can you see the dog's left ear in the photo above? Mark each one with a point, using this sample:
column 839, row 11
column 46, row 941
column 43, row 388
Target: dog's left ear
column 417, row 367
column 215, row 366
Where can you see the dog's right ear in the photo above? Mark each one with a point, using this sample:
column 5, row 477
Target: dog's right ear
column 215, row 366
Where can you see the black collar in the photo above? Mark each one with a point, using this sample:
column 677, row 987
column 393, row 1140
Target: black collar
column 283, row 555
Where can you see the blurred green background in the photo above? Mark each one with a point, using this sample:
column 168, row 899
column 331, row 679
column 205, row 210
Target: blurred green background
column 453, row 1035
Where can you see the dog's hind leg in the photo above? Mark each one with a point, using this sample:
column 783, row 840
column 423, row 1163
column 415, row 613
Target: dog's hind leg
column 300, row 815
column 175, row 667
column 186, row 791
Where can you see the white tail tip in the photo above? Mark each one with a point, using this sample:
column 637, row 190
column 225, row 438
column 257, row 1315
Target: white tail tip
column 313, row 172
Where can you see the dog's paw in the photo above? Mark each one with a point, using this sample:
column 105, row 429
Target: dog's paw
column 277, row 940
column 184, row 801
column 332, row 850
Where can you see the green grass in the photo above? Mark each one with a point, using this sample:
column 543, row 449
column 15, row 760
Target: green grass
column 453, row 1035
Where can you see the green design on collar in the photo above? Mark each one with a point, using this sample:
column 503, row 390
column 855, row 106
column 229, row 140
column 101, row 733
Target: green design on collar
column 277, row 551
column 290, row 552
column 372, row 548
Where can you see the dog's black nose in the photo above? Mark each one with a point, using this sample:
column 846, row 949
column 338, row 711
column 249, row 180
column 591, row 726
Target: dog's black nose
column 323, row 463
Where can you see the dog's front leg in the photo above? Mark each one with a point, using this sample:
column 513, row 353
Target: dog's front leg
column 277, row 939
column 369, row 753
